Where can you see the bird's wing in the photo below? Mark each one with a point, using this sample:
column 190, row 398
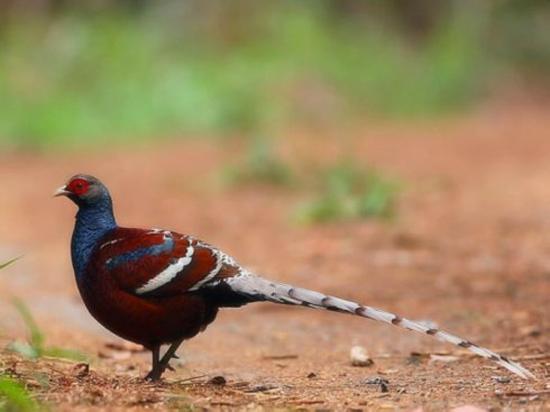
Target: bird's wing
column 157, row 263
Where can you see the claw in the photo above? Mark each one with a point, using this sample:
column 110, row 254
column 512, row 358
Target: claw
column 153, row 376
column 169, row 367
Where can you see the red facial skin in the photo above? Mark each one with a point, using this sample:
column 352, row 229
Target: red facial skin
column 78, row 187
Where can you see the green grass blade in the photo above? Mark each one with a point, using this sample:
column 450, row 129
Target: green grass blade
column 36, row 335
column 35, row 347
column 9, row 262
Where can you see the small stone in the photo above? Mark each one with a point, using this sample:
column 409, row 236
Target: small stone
column 501, row 379
column 80, row 370
column 377, row 380
column 311, row 375
column 218, row 380
column 359, row 357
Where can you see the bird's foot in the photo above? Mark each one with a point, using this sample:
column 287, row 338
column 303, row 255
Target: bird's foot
column 154, row 375
column 159, row 366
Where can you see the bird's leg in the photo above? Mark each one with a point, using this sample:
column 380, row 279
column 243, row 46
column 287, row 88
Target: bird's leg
column 155, row 372
column 156, row 356
column 169, row 355
column 160, row 366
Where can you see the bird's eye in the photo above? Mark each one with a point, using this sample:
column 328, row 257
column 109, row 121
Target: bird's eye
column 78, row 186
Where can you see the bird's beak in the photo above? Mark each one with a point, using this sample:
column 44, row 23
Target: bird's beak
column 62, row 191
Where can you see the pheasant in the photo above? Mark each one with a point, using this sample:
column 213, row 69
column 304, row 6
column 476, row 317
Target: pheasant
column 156, row 287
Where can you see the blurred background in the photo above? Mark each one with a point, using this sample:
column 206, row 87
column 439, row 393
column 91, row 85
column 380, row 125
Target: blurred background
column 79, row 73
column 392, row 152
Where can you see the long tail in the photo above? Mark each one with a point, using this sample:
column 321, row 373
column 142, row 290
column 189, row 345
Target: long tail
column 254, row 288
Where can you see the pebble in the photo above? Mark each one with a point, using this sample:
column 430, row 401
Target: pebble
column 359, row 357
column 218, row 380
column 377, row 380
column 81, row 370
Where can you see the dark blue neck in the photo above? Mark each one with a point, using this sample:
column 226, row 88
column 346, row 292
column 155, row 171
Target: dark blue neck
column 92, row 223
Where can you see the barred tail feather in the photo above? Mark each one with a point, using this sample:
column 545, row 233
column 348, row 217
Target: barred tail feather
column 256, row 288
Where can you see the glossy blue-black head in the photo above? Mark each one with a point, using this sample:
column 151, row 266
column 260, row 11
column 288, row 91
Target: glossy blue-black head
column 85, row 190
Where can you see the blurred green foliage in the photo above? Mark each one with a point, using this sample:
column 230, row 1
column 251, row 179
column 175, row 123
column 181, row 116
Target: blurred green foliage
column 344, row 191
column 261, row 165
column 520, row 35
column 14, row 397
column 82, row 73
column 347, row 191
column 35, row 347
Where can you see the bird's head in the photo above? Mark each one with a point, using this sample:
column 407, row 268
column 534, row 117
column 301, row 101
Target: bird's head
column 84, row 190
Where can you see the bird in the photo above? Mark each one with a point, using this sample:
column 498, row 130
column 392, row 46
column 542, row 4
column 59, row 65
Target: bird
column 158, row 287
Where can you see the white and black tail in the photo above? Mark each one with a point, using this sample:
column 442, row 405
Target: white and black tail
column 254, row 288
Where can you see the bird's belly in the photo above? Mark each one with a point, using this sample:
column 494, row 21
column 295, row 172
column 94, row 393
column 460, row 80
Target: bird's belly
column 148, row 322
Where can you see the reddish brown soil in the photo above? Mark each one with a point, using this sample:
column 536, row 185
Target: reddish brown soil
column 469, row 249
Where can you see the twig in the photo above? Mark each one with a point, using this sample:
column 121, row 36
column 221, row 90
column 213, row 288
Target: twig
column 190, row 378
column 223, row 403
column 533, row 357
column 519, row 393
column 306, row 402
column 280, row 357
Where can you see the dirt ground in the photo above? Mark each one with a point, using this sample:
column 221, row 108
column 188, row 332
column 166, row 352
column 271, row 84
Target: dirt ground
column 469, row 249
